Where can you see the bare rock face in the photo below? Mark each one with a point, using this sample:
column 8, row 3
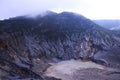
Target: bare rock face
column 53, row 38
column 63, row 36
column 111, row 57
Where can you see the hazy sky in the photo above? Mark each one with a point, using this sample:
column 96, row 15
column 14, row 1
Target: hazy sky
column 93, row 9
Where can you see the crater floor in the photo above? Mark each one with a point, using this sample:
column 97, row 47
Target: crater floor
column 79, row 70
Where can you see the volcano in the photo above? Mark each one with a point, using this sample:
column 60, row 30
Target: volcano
column 56, row 37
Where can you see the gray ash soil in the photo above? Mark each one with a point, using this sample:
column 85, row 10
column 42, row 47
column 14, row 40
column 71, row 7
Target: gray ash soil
column 79, row 70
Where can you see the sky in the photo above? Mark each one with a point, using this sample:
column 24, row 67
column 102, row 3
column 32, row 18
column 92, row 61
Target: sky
column 92, row 9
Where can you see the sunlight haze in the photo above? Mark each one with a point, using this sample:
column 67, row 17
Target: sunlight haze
column 92, row 9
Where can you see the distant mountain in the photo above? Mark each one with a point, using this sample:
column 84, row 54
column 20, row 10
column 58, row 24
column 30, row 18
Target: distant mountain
column 109, row 24
column 54, row 37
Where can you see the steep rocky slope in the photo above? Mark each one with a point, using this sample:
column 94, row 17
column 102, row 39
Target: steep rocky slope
column 66, row 33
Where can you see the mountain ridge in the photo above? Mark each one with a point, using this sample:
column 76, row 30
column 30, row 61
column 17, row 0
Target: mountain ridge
column 65, row 25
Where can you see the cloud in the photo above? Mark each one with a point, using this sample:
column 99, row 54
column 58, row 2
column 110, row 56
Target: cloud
column 10, row 8
column 90, row 8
